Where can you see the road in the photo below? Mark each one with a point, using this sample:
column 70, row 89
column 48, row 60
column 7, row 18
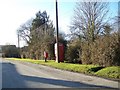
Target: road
column 26, row 75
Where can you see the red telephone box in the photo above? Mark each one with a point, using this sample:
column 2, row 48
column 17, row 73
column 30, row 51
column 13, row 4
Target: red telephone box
column 61, row 52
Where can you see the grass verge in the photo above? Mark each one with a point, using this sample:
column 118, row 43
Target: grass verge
column 111, row 72
column 107, row 72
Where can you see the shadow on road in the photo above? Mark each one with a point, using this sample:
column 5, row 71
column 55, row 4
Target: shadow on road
column 11, row 78
column 60, row 82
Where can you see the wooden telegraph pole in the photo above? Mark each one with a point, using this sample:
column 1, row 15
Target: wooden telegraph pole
column 18, row 41
column 57, row 36
column 19, row 44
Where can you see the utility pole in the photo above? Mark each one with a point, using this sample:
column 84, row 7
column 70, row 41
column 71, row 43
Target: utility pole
column 19, row 44
column 57, row 36
column 18, row 41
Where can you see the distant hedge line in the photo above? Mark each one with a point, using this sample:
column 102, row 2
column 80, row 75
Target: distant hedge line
column 10, row 51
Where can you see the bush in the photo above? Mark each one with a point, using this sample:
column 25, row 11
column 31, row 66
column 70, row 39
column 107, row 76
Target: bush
column 73, row 52
column 86, row 53
column 10, row 51
column 106, row 51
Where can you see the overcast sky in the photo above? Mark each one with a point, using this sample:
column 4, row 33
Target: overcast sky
column 13, row 13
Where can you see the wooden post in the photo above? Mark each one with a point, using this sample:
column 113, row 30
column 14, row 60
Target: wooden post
column 57, row 35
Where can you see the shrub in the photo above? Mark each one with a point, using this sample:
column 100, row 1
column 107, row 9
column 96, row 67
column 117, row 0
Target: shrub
column 105, row 51
column 10, row 51
column 73, row 52
column 86, row 53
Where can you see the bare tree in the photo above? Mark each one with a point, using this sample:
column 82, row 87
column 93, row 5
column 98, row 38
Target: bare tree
column 116, row 22
column 24, row 30
column 89, row 19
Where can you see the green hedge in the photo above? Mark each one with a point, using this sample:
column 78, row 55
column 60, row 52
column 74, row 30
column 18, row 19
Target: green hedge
column 104, row 51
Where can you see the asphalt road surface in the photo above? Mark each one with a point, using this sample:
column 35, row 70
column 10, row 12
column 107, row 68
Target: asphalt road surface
column 26, row 75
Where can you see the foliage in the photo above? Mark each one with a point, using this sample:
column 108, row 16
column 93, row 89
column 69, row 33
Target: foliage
column 92, row 41
column 106, row 51
column 73, row 51
column 41, row 36
column 98, row 44
column 10, row 51
column 86, row 53
column 41, row 18
column 24, row 52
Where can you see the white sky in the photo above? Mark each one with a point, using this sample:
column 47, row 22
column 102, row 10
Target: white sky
column 13, row 13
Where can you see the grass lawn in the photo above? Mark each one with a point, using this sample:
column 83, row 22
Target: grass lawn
column 111, row 72
column 107, row 72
